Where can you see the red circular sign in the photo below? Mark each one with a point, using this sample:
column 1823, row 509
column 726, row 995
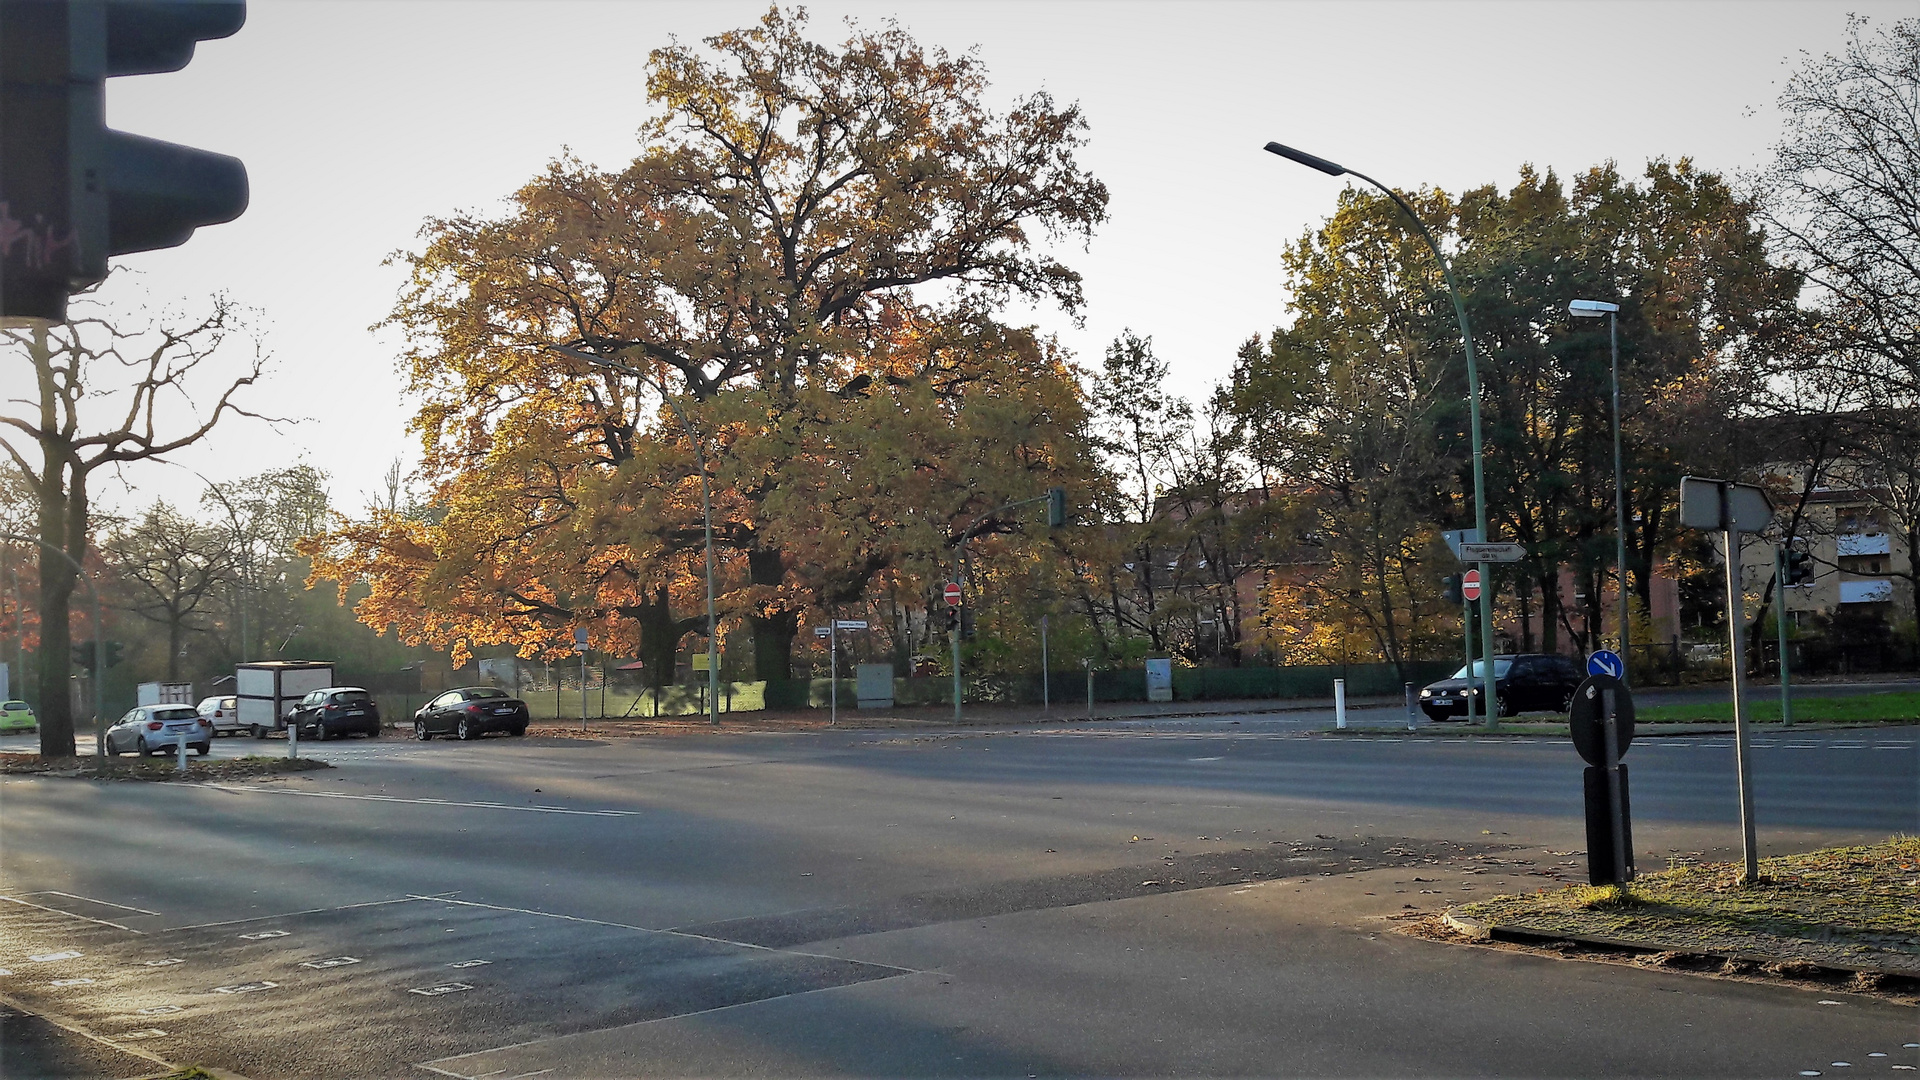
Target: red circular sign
column 1470, row 585
column 953, row 593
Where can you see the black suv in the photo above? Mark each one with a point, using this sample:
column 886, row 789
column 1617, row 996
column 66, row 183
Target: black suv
column 1521, row 683
column 336, row 710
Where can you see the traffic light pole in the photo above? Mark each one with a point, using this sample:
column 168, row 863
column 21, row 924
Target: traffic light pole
column 1780, row 625
column 1056, row 500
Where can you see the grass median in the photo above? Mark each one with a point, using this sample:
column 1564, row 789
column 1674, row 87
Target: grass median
column 1763, row 707
column 1847, row 908
column 156, row 768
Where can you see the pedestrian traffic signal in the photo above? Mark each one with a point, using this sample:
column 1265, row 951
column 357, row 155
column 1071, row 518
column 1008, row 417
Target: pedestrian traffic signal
column 1799, row 568
column 1450, row 588
column 72, row 191
column 953, row 619
column 1056, row 507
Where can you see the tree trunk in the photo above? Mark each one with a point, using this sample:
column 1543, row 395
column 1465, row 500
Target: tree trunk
column 56, row 717
column 773, row 633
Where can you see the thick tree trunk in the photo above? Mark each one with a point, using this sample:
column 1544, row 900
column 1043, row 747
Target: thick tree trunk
column 55, row 707
column 773, row 633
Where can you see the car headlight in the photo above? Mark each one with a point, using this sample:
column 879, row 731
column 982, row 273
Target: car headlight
column 1472, row 690
column 1426, row 693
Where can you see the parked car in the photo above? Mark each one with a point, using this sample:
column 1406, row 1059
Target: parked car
column 155, row 729
column 17, row 716
column 470, row 712
column 224, row 712
column 335, row 710
column 1521, row 683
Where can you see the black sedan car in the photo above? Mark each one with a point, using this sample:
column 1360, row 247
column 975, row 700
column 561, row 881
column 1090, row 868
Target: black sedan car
column 334, row 711
column 1521, row 683
column 470, row 712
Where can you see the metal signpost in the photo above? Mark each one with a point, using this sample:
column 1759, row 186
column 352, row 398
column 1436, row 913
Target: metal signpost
column 952, row 596
column 1732, row 509
column 832, row 633
column 1481, row 677
column 1601, row 722
column 580, row 646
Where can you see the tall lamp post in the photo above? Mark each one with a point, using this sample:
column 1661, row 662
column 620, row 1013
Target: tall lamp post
column 1593, row 309
column 1473, row 405
column 706, row 514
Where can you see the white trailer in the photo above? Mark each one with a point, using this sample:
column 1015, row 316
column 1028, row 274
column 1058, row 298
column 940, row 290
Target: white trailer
column 265, row 691
column 164, row 693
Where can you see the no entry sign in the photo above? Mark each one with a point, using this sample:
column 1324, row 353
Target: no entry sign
column 1470, row 585
column 953, row 594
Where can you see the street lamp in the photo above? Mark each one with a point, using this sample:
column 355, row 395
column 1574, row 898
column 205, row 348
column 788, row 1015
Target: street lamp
column 1473, row 405
column 706, row 512
column 1593, row 309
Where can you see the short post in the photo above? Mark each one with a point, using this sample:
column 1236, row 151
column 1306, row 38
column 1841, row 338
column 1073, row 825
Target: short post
column 833, row 672
column 1340, row 704
column 180, row 746
column 1742, row 746
column 293, row 737
column 1410, row 707
column 1622, row 873
column 1088, row 664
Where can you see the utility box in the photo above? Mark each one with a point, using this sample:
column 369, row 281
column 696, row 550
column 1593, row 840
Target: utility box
column 164, row 693
column 873, row 685
column 265, row 691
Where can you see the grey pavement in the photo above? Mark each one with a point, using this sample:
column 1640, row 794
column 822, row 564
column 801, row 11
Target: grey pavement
column 1145, row 898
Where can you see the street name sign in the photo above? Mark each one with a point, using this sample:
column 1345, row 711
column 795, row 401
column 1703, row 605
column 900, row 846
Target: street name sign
column 850, row 624
column 822, row 631
column 1497, row 553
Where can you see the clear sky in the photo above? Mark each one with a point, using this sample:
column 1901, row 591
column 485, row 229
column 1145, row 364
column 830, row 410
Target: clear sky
column 358, row 120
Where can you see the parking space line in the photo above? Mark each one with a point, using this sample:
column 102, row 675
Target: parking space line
column 88, row 899
column 291, row 914
column 432, row 802
column 68, row 1024
column 69, row 914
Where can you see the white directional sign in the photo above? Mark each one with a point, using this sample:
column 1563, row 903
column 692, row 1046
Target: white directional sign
column 1492, row 552
column 823, row 631
column 851, row 624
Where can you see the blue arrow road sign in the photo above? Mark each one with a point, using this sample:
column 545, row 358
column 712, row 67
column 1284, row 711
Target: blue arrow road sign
column 1606, row 662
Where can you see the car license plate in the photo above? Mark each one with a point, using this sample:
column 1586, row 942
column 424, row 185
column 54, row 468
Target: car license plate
column 1443, row 701
column 503, row 712
column 355, row 712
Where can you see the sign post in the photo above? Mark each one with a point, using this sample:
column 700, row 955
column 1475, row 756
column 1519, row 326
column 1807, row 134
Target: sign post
column 580, row 646
column 833, row 663
column 1470, row 592
column 1732, row 509
column 952, row 596
column 1601, row 723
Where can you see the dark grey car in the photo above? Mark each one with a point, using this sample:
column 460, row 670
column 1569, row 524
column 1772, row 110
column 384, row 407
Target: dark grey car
column 334, row 711
column 470, row 712
column 1525, row 682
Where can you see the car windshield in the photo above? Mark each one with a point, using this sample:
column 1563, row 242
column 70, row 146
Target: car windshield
column 484, row 692
column 1500, row 669
column 11, row 705
column 176, row 712
column 352, row 697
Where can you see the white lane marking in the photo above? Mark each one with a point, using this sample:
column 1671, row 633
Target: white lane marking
column 90, row 900
column 149, row 1033
column 1205, row 759
column 4, row 971
column 245, row 988
column 1847, row 746
column 159, row 1010
column 469, row 963
column 431, row 802
column 71, row 982
column 265, row 934
column 331, row 962
column 1893, row 746
column 293, row 914
column 50, row 957
column 68, row 914
column 168, row 962
column 443, row 988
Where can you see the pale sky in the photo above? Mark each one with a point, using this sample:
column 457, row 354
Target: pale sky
column 358, row 120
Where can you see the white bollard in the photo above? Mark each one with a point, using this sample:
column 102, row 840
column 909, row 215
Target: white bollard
column 180, row 747
column 1340, row 704
column 293, row 740
column 1410, row 707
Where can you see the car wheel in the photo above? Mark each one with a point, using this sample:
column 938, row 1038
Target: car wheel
column 1504, row 706
column 1566, row 702
column 519, row 731
column 319, row 732
column 464, row 730
column 420, row 731
column 141, row 747
column 202, row 748
column 259, row 732
column 112, row 750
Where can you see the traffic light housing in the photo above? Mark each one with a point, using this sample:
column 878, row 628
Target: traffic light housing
column 1056, row 507
column 1799, row 568
column 953, row 619
column 74, row 192
column 1450, row 586
column 83, row 654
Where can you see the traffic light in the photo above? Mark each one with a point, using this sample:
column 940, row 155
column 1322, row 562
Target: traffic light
column 1450, row 587
column 83, row 654
column 1056, row 507
column 953, row 619
column 72, row 191
column 1799, row 568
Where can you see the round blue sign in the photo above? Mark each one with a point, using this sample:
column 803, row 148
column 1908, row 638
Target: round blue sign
column 1606, row 662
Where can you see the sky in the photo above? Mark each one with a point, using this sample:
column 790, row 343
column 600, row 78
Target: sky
column 358, row 121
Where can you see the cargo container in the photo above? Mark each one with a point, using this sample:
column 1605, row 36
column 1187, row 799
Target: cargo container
column 266, row 691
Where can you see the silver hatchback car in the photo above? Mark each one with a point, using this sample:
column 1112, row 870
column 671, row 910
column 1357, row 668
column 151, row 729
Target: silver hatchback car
column 154, row 729
column 225, row 714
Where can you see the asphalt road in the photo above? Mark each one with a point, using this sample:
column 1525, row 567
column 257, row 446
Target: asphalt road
column 1146, row 898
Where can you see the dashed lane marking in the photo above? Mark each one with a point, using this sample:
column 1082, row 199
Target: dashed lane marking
column 48, row 958
column 90, row 900
column 246, row 988
column 428, row 802
column 68, row 914
column 442, row 988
